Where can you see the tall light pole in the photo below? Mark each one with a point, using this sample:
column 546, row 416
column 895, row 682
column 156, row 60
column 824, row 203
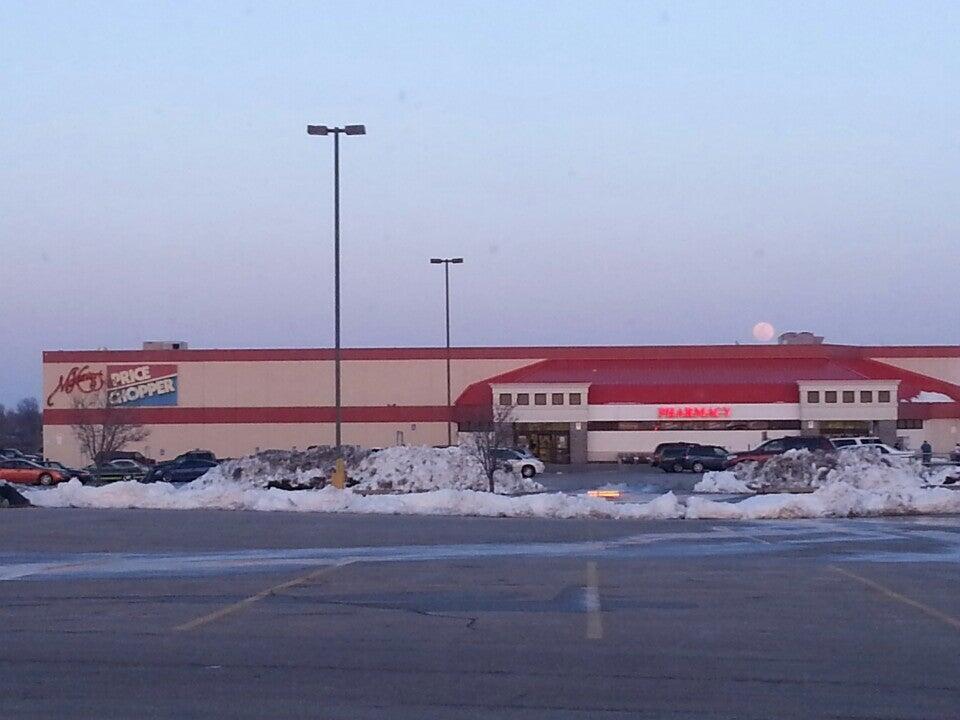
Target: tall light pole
column 336, row 132
column 446, row 262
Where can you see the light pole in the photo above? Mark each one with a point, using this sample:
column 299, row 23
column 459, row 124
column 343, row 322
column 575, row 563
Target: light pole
column 446, row 262
column 336, row 132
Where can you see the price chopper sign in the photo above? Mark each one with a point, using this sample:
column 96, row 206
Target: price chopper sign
column 142, row 385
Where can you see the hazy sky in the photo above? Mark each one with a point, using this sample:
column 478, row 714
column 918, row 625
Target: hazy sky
column 623, row 173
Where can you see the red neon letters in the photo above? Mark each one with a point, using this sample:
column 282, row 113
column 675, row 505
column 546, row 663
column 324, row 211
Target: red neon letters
column 694, row 412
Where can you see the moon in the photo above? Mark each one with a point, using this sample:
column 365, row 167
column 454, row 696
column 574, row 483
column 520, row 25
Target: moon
column 763, row 331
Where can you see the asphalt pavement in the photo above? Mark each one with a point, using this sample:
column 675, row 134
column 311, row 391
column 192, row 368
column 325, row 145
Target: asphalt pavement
column 200, row 614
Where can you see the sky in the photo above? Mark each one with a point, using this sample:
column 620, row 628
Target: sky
column 612, row 173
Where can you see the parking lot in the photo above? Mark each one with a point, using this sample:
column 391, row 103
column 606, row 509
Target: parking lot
column 636, row 479
column 171, row 614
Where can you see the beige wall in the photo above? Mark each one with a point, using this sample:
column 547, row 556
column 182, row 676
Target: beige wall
column 375, row 383
column 310, row 383
column 233, row 440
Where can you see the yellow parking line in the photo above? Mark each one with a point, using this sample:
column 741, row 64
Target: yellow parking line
column 893, row 595
column 230, row 609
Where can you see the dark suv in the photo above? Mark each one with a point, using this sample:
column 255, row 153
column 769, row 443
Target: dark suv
column 697, row 458
column 668, row 451
column 778, row 446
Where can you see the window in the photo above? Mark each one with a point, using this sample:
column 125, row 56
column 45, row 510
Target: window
column 813, row 396
column 883, row 396
column 909, row 424
column 540, row 399
column 866, row 396
column 574, row 398
column 830, row 396
column 505, row 398
column 523, row 398
column 844, row 442
column 849, row 396
column 773, row 446
column 556, row 399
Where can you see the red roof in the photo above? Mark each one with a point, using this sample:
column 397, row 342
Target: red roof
column 699, row 380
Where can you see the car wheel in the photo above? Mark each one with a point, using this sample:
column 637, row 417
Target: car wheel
column 168, row 478
column 46, row 479
column 528, row 471
column 698, row 467
column 677, row 467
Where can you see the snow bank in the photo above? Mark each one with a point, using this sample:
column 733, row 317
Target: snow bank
column 850, row 484
column 928, row 396
column 855, row 484
column 723, row 481
column 401, row 469
column 231, row 496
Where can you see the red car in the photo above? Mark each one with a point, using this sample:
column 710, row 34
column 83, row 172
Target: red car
column 767, row 450
column 26, row 472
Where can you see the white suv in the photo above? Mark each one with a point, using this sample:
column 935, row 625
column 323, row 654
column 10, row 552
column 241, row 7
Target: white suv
column 873, row 443
column 527, row 465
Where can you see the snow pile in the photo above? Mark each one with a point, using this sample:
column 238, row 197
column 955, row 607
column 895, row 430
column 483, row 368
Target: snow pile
column 792, row 472
column 288, row 469
column 723, row 481
column 419, row 469
column 928, row 396
column 858, row 484
column 400, row 469
column 225, row 495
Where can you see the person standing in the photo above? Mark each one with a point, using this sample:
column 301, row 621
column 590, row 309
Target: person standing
column 926, row 452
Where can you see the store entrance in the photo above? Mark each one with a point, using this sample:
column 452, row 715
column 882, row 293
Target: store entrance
column 847, row 428
column 548, row 441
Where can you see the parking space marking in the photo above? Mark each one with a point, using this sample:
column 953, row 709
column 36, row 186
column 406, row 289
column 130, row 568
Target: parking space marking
column 894, row 595
column 230, row 609
column 592, row 601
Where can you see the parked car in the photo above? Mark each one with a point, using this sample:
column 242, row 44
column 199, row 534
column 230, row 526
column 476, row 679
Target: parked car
column 879, row 447
column 81, row 475
column 778, row 446
column 659, row 450
column 196, row 455
column 839, row 442
column 137, row 457
column 519, row 461
column 185, row 469
column 670, row 458
column 699, row 458
column 114, row 470
column 27, row 472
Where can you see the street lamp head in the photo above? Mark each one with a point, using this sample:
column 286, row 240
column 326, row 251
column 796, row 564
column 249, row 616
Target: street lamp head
column 456, row 261
column 355, row 129
column 317, row 130
column 435, row 261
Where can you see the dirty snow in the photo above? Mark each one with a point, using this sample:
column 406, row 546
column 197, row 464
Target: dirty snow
column 928, row 396
column 722, row 481
column 849, row 484
column 223, row 495
column 401, row 469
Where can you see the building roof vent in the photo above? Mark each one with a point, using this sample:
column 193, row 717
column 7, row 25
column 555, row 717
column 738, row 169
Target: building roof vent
column 164, row 345
column 800, row 338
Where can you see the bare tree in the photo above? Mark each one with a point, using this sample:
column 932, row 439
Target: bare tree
column 488, row 433
column 22, row 427
column 104, row 429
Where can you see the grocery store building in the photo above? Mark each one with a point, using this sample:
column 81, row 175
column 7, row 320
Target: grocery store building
column 570, row 404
